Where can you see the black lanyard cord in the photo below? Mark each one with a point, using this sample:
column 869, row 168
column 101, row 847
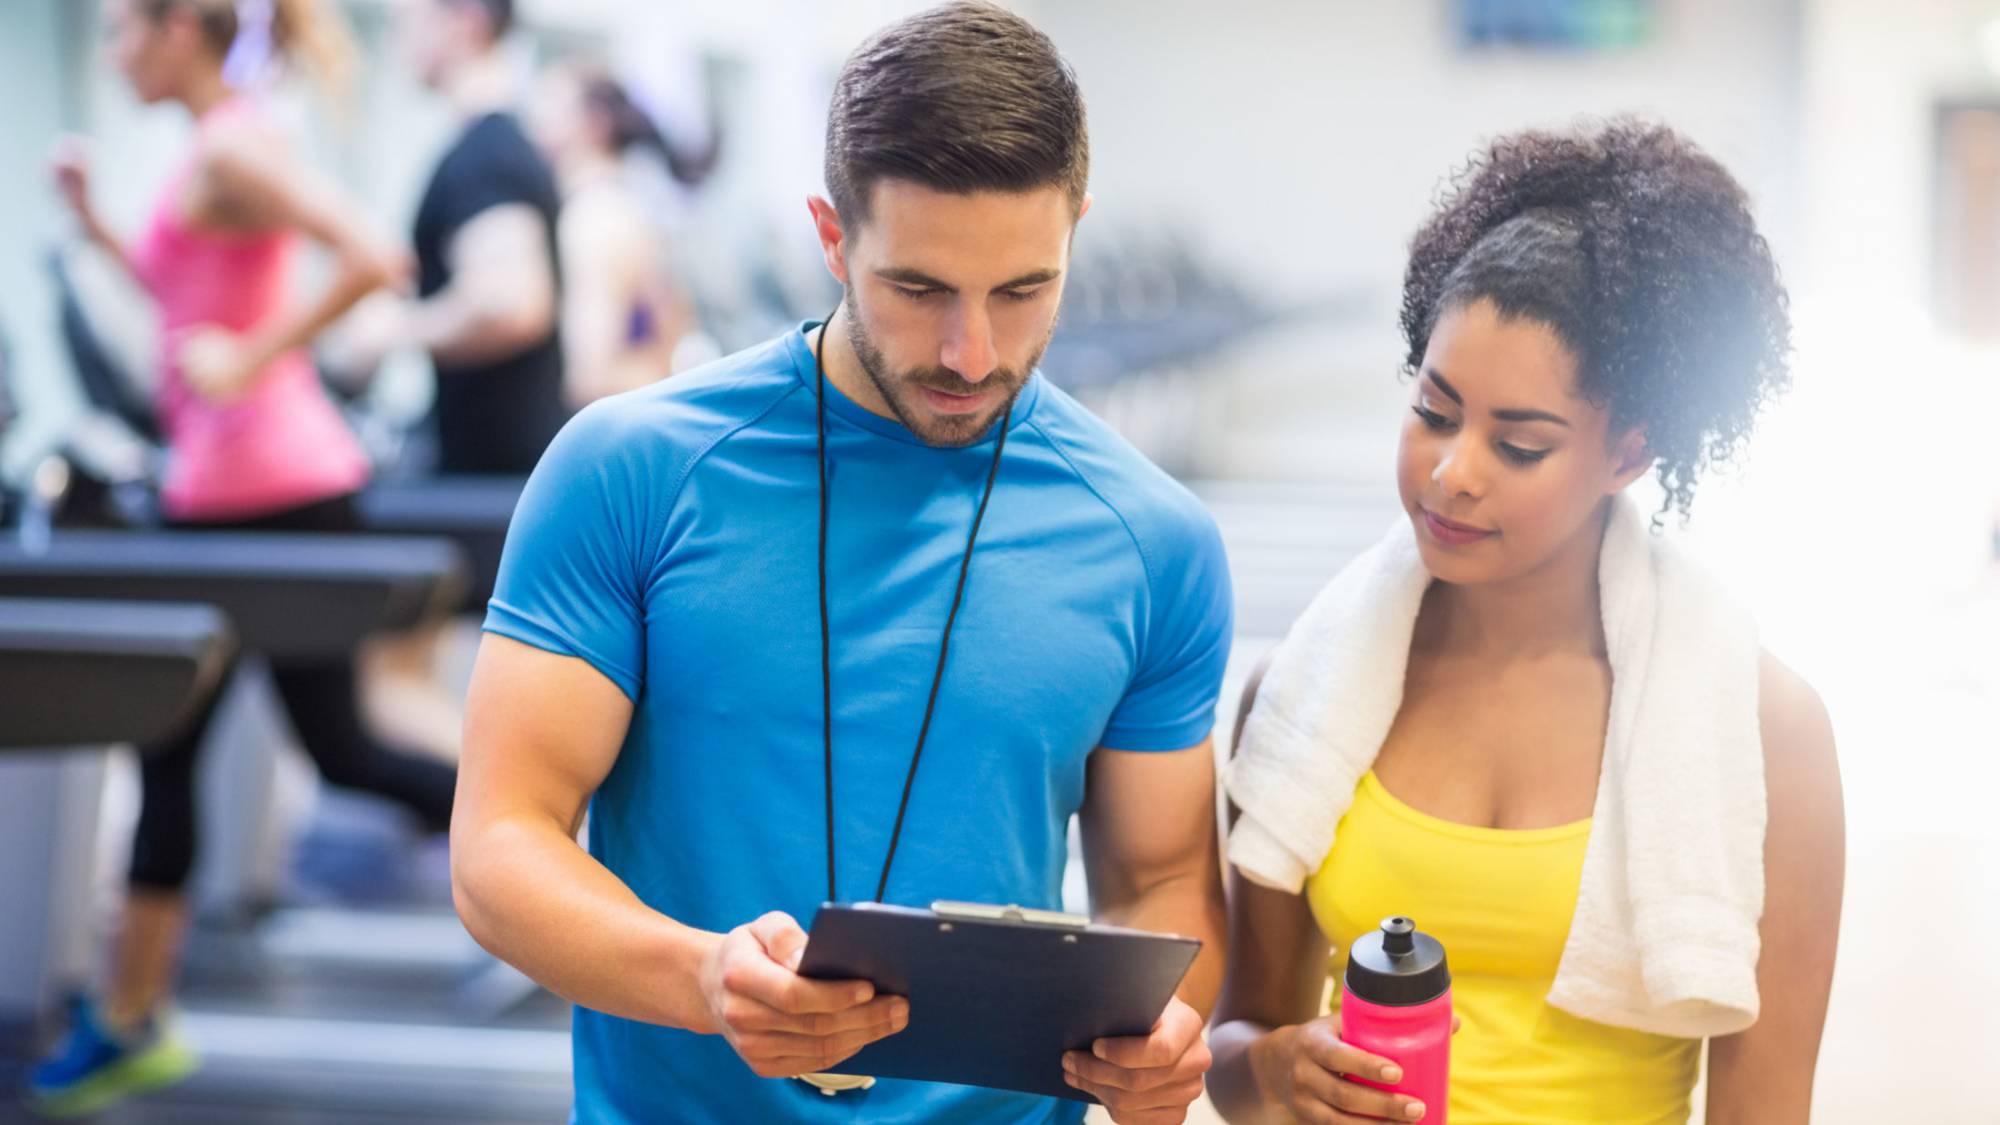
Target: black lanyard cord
column 826, row 629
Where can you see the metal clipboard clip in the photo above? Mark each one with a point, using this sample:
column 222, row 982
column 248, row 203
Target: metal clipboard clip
column 1011, row 914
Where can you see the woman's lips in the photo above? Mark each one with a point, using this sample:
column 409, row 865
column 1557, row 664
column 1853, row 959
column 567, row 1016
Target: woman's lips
column 1452, row 533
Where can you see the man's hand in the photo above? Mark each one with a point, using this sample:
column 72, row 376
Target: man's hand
column 1148, row 1080
column 377, row 326
column 783, row 1024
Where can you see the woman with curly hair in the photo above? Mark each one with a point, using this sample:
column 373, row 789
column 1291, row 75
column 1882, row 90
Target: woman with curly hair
column 1527, row 721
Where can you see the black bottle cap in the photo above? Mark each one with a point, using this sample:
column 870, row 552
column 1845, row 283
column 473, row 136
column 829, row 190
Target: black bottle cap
column 1396, row 966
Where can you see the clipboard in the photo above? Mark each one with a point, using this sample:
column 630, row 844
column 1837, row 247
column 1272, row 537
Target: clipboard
column 997, row 993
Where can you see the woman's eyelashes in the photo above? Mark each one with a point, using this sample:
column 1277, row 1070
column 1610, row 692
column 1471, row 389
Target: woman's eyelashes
column 1444, row 424
column 1434, row 420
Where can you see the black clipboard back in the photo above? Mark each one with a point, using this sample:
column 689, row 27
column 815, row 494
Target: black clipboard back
column 997, row 993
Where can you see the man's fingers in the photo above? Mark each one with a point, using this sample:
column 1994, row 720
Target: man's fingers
column 1191, row 1063
column 1164, row 1103
column 1138, row 1053
column 770, row 980
column 751, row 976
column 788, row 1067
column 879, row 1012
column 743, row 1014
column 822, row 1051
column 1143, row 1079
column 801, row 996
column 784, row 943
column 1172, row 1037
column 781, row 937
column 1097, row 1072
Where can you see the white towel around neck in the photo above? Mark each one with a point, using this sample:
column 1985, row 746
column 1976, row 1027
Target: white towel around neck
column 1664, row 938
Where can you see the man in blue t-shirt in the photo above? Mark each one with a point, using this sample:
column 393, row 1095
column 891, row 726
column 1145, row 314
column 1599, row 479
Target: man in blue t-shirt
column 869, row 611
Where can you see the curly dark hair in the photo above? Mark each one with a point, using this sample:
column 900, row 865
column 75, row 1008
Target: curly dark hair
column 1638, row 250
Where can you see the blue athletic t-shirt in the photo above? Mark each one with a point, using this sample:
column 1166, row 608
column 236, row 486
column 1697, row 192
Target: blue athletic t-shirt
column 669, row 538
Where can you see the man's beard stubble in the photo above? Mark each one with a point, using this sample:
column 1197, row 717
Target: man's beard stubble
column 946, row 433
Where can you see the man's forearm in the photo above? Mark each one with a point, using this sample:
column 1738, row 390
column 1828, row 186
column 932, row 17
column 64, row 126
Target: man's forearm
column 459, row 328
column 1191, row 906
column 535, row 899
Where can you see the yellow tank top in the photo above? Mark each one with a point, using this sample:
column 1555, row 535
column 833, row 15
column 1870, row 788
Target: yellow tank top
column 1501, row 902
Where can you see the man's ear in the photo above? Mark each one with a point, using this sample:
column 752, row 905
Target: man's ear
column 832, row 238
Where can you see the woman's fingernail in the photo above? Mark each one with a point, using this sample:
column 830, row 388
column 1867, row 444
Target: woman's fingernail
column 1414, row 1110
column 1392, row 1074
column 1069, row 1063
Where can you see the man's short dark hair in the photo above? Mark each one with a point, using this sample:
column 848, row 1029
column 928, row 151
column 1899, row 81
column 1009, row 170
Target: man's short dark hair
column 499, row 14
column 964, row 97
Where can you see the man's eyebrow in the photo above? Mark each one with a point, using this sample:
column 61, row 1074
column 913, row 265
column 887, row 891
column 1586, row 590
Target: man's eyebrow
column 903, row 275
column 1033, row 277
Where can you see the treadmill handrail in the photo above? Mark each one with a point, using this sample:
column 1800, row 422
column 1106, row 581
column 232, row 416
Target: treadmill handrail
column 290, row 595
column 84, row 673
column 318, row 556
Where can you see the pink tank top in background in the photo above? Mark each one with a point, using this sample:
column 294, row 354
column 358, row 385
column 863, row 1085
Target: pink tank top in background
column 282, row 444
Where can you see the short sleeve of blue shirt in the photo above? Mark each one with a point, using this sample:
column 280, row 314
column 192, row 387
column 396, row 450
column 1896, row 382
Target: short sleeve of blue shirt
column 571, row 579
column 669, row 538
column 1185, row 647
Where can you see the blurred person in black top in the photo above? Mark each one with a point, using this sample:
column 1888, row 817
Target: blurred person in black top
column 485, row 239
column 489, row 291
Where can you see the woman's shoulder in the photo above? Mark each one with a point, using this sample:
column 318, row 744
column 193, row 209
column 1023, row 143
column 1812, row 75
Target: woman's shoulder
column 1800, row 763
column 239, row 145
column 1790, row 712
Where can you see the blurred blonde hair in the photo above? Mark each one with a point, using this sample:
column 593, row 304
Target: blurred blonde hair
column 311, row 33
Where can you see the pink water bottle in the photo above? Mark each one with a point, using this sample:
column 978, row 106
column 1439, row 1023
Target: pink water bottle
column 1396, row 1003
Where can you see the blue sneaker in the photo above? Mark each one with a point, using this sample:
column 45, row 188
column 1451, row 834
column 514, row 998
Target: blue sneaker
column 94, row 1067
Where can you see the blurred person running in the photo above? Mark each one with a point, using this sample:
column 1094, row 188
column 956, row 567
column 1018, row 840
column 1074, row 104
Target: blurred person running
column 253, row 442
column 625, row 313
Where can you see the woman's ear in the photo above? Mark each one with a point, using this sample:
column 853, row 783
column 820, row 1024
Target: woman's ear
column 1632, row 457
